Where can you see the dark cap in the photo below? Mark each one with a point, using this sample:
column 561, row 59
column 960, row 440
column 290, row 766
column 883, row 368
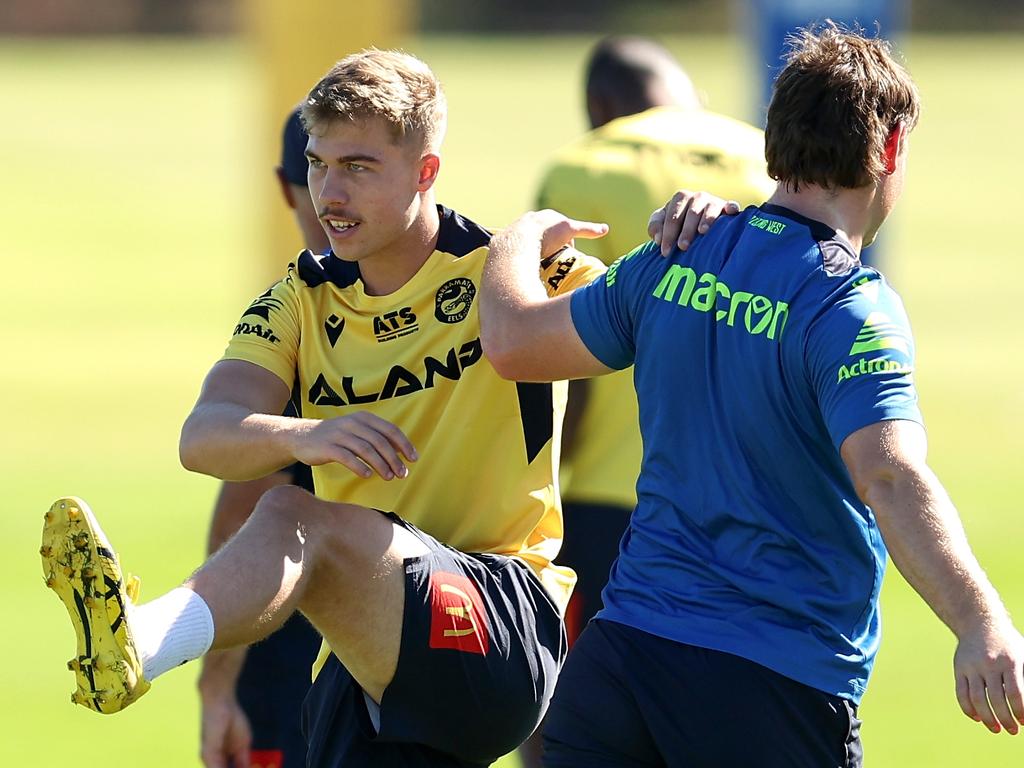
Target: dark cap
column 293, row 150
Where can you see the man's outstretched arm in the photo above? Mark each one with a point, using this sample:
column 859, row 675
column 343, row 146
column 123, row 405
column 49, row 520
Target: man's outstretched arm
column 526, row 335
column 926, row 540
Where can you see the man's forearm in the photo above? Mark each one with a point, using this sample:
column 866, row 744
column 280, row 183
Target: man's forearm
column 926, row 540
column 220, row 672
column 231, row 442
column 510, row 283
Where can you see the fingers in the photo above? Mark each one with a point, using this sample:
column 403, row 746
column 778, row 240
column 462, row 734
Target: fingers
column 211, row 741
column 557, row 231
column 685, row 216
column 366, row 443
column 588, row 230
column 997, row 702
column 363, row 464
column 963, row 697
column 713, row 210
column 655, row 225
column 994, row 701
column 675, row 222
column 1013, row 686
column 979, row 701
column 213, row 754
column 226, row 737
column 392, row 434
column 240, row 758
column 1004, row 696
column 989, row 669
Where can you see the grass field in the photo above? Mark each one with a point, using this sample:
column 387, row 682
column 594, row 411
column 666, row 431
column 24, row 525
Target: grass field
column 129, row 239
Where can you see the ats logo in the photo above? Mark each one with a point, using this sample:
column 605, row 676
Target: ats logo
column 453, row 300
column 395, row 324
column 333, row 326
column 457, row 617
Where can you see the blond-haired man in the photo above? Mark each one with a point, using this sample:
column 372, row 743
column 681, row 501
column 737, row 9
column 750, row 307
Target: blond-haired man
column 432, row 656
column 782, row 444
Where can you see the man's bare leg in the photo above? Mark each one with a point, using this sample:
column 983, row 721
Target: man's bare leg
column 340, row 564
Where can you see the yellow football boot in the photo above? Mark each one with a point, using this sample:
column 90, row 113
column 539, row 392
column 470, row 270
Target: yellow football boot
column 80, row 566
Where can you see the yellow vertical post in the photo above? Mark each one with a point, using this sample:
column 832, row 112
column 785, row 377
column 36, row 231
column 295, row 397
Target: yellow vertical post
column 292, row 43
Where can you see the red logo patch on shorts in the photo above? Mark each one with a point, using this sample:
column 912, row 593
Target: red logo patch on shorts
column 266, row 758
column 457, row 617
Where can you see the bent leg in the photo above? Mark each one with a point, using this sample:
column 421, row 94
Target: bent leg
column 340, row 564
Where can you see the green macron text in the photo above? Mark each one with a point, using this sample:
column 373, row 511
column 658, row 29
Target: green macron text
column 707, row 292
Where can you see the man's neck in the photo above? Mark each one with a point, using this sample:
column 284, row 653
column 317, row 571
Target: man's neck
column 386, row 273
column 847, row 211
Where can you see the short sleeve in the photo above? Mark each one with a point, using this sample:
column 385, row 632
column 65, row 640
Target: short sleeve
column 604, row 312
column 860, row 357
column 568, row 270
column 268, row 332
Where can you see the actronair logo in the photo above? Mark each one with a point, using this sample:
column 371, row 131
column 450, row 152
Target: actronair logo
column 262, row 306
column 878, row 365
column 255, row 329
column 759, row 314
column 880, row 332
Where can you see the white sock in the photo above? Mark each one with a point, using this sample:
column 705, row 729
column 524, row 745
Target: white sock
column 171, row 630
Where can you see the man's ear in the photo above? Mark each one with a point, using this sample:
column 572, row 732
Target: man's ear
column 598, row 110
column 429, row 167
column 894, row 146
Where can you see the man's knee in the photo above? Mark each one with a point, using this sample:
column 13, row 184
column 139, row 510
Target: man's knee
column 284, row 500
column 344, row 530
column 285, row 509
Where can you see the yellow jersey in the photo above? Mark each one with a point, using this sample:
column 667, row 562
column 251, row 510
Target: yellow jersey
column 620, row 173
column 486, row 477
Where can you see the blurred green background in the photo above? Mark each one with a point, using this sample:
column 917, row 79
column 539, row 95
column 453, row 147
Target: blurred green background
column 130, row 231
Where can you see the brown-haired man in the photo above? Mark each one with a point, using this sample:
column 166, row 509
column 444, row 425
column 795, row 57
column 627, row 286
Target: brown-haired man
column 782, row 443
column 435, row 657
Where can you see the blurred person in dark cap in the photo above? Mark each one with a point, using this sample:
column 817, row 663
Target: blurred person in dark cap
column 251, row 697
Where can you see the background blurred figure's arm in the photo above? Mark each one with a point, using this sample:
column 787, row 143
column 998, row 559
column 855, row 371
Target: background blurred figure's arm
column 226, row 732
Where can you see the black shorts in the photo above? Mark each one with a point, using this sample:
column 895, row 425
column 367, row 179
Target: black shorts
column 482, row 643
column 590, row 546
column 628, row 699
column 271, row 688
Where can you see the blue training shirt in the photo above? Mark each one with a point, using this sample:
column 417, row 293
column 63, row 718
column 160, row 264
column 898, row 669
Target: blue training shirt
column 756, row 353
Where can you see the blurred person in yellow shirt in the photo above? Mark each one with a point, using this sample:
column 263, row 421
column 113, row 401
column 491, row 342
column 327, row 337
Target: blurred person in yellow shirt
column 650, row 136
